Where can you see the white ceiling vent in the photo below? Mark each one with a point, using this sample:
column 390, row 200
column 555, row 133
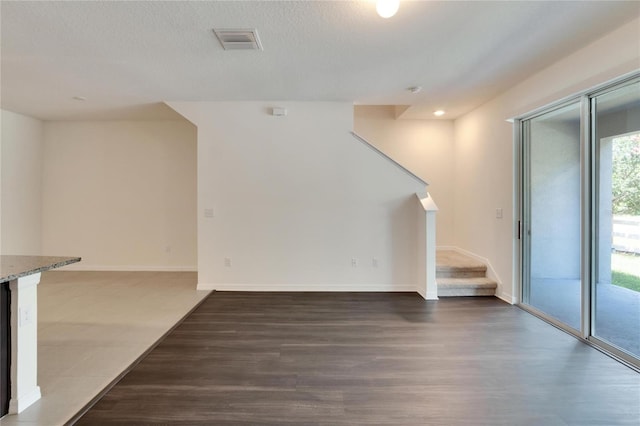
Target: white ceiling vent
column 239, row 39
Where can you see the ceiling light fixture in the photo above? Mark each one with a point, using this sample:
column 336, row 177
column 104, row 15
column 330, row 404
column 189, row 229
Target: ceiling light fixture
column 79, row 98
column 415, row 89
column 438, row 113
column 387, row 8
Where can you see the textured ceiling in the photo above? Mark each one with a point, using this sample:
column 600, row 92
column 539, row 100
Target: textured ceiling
column 127, row 57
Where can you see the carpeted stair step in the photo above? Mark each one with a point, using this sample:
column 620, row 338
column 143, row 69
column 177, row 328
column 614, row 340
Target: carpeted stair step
column 461, row 275
column 476, row 286
column 451, row 264
column 460, row 272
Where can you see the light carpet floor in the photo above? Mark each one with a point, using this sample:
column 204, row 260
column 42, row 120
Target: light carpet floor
column 92, row 326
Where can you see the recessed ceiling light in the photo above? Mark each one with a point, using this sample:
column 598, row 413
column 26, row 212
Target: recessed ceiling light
column 387, row 8
column 438, row 113
column 79, row 98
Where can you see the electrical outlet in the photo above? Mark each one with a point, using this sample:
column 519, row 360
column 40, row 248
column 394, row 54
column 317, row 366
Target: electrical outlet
column 25, row 316
column 227, row 262
column 354, row 262
column 374, row 262
column 209, row 212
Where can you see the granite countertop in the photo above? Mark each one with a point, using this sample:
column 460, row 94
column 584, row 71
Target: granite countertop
column 12, row 267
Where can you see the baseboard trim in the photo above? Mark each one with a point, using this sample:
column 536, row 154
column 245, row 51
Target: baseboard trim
column 307, row 287
column 432, row 295
column 127, row 268
column 22, row 402
column 507, row 298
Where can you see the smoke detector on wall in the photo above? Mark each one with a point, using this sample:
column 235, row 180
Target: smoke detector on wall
column 238, row 39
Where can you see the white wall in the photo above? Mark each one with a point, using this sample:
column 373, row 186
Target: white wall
column 295, row 198
column 121, row 194
column 484, row 145
column 425, row 147
column 21, row 184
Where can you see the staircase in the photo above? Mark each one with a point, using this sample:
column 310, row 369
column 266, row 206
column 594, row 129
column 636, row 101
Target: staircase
column 460, row 275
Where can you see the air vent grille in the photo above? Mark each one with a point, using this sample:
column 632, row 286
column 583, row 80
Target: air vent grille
column 238, row 39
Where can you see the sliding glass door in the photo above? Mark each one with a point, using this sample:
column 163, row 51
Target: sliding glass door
column 616, row 138
column 552, row 225
column 580, row 216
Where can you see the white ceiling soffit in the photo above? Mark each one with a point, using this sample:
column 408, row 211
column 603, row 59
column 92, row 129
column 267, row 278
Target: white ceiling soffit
column 238, row 39
column 127, row 57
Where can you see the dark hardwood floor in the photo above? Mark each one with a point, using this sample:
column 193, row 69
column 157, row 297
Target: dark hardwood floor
column 369, row 359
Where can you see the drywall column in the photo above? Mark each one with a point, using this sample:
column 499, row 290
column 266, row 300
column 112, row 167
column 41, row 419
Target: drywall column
column 21, row 184
column 428, row 287
column 24, row 337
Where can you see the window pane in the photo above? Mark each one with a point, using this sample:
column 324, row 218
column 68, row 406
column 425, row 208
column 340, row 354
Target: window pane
column 554, row 215
column 617, row 254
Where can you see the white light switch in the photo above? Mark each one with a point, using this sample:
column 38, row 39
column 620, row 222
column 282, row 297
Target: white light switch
column 278, row 111
column 498, row 213
column 209, row 212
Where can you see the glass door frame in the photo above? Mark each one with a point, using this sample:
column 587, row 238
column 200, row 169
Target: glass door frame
column 594, row 207
column 589, row 157
column 522, row 130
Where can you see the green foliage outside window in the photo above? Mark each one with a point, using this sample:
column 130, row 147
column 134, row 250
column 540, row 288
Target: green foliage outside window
column 626, row 175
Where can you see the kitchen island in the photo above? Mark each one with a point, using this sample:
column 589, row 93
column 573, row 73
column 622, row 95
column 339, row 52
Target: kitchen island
column 19, row 278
